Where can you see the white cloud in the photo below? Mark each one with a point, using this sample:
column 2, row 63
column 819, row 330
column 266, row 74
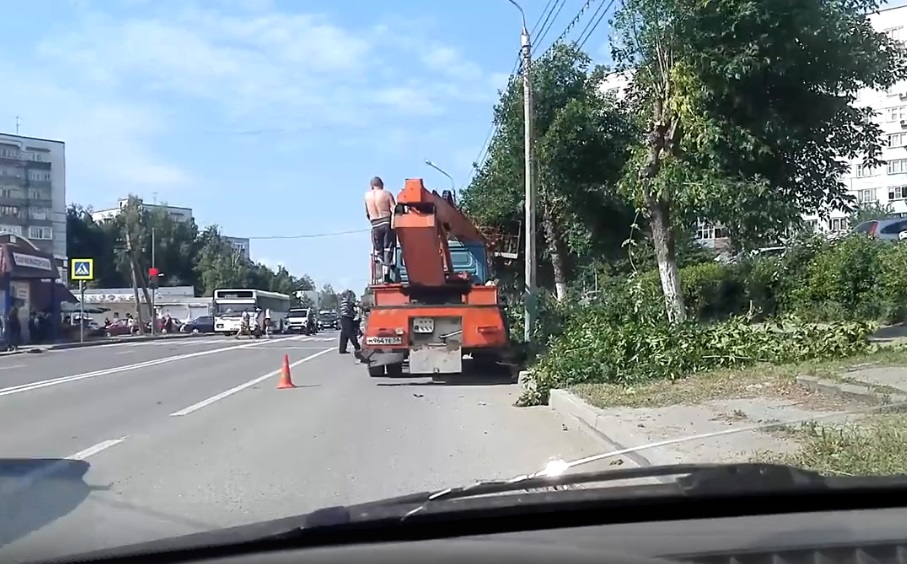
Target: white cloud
column 109, row 87
column 285, row 64
column 107, row 139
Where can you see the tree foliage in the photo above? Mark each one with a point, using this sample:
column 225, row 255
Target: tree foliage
column 737, row 111
column 746, row 110
column 185, row 255
column 581, row 145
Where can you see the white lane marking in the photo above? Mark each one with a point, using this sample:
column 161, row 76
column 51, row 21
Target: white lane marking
column 65, row 379
column 125, row 352
column 12, row 366
column 241, row 387
column 93, row 450
column 28, row 480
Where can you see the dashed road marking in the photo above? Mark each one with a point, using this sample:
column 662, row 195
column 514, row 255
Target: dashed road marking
column 241, row 387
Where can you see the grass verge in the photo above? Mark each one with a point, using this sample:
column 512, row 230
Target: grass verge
column 874, row 446
column 756, row 381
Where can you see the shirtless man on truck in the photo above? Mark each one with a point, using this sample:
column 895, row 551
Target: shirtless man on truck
column 379, row 208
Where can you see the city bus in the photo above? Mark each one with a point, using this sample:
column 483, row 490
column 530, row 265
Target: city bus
column 229, row 305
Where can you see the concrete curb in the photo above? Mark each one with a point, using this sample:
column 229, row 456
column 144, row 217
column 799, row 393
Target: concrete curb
column 590, row 418
column 139, row 339
column 849, row 390
column 98, row 342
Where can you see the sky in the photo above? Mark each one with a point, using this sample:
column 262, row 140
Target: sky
column 267, row 117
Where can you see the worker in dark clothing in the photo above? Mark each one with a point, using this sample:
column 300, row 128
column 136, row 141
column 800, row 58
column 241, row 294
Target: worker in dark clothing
column 348, row 324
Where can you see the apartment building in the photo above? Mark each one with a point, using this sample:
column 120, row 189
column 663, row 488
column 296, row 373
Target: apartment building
column 179, row 214
column 33, row 191
column 885, row 185
column 241, row 244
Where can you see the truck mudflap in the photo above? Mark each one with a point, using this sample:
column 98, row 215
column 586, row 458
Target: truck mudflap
column 436, row 358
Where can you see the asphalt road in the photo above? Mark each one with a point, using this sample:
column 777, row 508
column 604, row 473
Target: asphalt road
column 116, row 444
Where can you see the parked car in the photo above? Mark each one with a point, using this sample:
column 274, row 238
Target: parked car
column 889, row 229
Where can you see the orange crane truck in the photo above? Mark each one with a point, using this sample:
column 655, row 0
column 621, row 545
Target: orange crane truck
column 442, row 304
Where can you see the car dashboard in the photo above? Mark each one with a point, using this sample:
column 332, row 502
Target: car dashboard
column 857, row 537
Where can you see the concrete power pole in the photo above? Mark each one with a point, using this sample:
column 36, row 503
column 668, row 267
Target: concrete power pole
column 529, row 197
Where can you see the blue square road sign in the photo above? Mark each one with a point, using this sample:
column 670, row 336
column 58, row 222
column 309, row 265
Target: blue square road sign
column 82, row 269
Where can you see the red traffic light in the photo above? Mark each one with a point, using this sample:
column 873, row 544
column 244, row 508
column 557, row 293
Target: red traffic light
column 153, row 272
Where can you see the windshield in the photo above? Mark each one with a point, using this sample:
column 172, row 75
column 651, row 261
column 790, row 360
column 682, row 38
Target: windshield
column 233, row 309
column 315, row 155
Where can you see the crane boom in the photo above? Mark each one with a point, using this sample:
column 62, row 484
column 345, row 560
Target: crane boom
column 424, row 221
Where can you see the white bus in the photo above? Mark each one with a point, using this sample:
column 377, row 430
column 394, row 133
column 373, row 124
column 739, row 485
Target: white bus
column 229, row 306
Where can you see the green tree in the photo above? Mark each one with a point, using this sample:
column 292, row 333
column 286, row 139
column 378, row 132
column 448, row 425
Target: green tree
column 329, row 298
column 581, row 146
column 184, row 255
column 88, row 239
column 746, row 105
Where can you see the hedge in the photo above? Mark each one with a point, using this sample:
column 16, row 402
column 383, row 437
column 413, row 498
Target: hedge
column 825, row 297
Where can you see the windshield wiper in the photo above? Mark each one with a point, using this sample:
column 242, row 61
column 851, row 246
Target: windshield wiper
column 694, row 479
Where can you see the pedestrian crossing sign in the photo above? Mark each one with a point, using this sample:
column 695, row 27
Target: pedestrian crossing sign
column 82, row 269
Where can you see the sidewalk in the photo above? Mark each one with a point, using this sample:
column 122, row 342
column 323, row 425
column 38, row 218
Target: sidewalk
column 96, row 342
column 763, row 413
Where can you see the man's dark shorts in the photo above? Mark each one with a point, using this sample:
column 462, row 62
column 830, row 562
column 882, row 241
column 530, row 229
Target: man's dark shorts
column 384, row 239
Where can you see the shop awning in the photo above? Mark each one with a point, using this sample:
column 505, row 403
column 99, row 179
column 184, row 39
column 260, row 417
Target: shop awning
column 22, row 262
column 47, row 296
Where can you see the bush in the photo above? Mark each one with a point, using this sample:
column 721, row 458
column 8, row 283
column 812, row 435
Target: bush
column 592, row 349
column 624, row 337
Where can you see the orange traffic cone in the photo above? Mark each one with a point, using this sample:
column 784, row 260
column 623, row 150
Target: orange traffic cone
column 285, row 381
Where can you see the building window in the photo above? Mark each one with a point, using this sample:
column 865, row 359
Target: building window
column 39, row 175
column 38, row 213
column 40, row 232
column 897, row 193
column 37, row 194
column 895, row 33
column 865, row 171
column 707, row 232
column 897, row 139
column 837, row 224
column 897, row 166
column 897, row 113
column 9, row 211
column 867, row 195
column 11, row 229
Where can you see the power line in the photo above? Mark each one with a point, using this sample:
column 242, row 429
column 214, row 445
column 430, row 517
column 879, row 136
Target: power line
column 537, row 40
column 306, row 236
column 579, row 16
column 587, row 31
column 486, row 145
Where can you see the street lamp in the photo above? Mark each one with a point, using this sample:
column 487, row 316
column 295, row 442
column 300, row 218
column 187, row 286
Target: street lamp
column 453, row 187
column 530, row 196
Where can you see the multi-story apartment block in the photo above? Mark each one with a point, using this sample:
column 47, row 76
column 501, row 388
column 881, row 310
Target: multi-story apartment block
column 33, row 191
column 885, row 185
column 241, row 244
column 177, row 213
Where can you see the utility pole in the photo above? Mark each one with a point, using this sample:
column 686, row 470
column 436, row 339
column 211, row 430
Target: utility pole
column 153, row 283
column 529, row 197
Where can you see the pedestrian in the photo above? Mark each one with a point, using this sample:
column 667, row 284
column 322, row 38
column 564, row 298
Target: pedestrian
column 348, row 324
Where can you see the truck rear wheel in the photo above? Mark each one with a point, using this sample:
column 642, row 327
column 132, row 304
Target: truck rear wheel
column 394, row 370
column 376, row 371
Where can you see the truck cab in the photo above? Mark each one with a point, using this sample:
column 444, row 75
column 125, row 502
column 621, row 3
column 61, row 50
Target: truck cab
column 470, row 258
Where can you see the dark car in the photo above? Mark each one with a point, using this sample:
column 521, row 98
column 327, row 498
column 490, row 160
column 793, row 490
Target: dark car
column 201, row 324
column 328, row 320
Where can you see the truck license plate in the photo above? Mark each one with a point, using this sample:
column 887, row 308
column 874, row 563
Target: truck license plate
column 384, row 340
